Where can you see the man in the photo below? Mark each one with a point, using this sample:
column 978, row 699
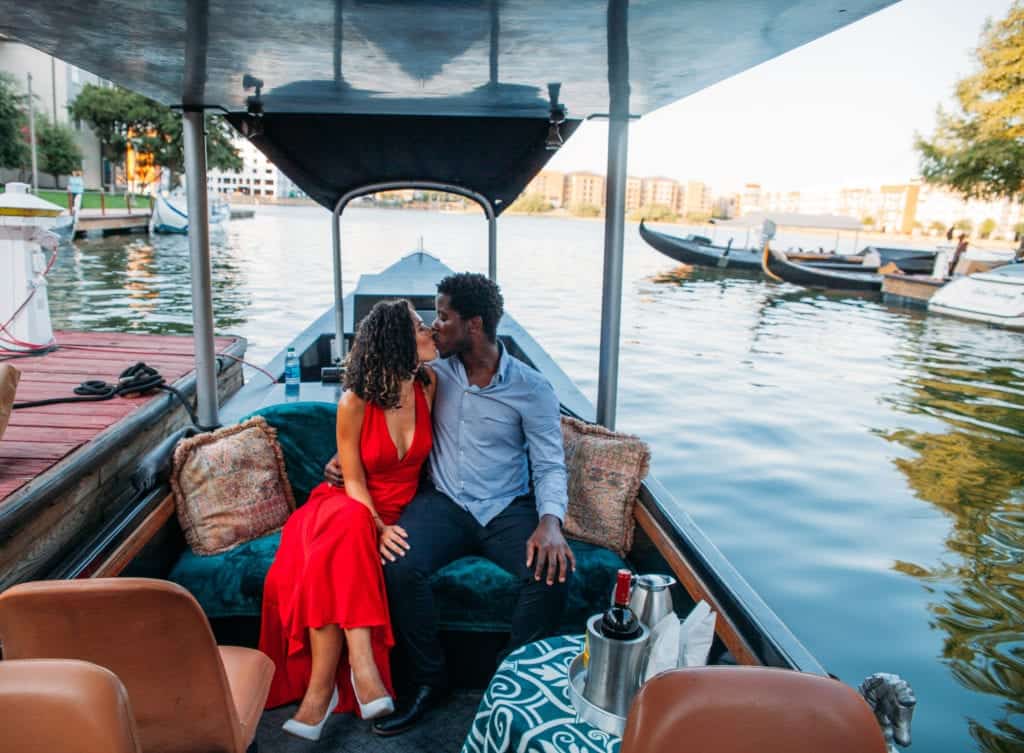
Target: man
column 961, row 249
column 494, row 418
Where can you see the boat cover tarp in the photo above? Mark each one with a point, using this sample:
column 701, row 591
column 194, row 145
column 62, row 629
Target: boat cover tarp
column 328, row 155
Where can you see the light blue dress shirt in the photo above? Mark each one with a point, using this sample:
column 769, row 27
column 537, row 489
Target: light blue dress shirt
column 482, row 437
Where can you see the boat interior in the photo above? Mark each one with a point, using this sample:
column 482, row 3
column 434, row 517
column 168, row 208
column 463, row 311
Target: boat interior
column 348, row 98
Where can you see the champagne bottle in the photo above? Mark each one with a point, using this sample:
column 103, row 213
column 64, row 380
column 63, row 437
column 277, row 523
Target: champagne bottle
column 620, row 623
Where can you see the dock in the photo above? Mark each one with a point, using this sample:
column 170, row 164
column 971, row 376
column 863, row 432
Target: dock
column 115, row 221
column 65, row 468
column 910, row 290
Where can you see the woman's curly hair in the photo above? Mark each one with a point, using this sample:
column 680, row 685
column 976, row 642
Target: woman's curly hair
column 383, row 354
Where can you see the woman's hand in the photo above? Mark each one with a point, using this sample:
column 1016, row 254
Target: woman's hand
column 393, row 542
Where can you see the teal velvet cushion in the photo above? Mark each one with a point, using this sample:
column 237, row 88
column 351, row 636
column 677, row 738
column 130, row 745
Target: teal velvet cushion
column 470, row 594
column 306, row 433
column 229, row 584
column 474, row 594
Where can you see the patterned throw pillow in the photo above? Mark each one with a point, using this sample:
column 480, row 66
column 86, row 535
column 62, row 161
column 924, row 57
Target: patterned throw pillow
column 9, row 377
column 605, row 469
column 230, row 486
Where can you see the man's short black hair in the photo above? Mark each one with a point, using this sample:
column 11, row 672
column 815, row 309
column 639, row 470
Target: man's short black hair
column 472, row 294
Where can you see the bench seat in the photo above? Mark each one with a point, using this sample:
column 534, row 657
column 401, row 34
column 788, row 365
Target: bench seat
column 471, row 594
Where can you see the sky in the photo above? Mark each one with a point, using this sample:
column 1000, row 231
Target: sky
column 840, row 111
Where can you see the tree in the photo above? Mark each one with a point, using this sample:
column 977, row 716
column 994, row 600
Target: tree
column 987, row 227
column 530, row 204
column 978, row 150
column 120, row 117
column 1018, row 231
column 964, row 226
column 14, row 150
column 936, row 228
column 867, row 221
column 585, row 210
column 654, row 213
column 57, row 151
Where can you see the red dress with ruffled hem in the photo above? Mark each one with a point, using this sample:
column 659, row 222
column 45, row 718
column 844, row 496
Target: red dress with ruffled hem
column 327, row 569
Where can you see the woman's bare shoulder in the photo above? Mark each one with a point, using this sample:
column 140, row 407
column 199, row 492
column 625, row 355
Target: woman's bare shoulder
column 350, row 404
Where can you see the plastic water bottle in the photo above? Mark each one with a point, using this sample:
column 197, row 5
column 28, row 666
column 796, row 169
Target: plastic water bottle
column 291, row 373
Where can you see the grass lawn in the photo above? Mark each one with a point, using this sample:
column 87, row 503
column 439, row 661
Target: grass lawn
column 91, row 200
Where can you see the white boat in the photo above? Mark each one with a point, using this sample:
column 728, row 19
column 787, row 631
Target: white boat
column 995, row 297
column 170, row 212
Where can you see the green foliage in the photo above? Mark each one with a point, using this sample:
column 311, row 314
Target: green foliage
column 698, row 218
column 936, row 227
column 118, row 117
column 56, row 149
column 987, row 227
column 978, row 150
column 964, row 226
column 530, row 204
column 1018, row 229
column 867, row 220
column 654, row 213
column 585, row 210
column 14, row 150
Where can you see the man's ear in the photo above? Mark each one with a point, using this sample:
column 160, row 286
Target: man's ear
column 475, row 324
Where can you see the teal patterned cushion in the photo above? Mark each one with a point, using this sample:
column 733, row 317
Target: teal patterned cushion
column 470, row 594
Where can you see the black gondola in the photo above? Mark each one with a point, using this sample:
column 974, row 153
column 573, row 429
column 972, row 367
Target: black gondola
column 777, row 266
column 698, row 250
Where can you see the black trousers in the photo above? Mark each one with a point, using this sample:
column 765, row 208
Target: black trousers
column 441, row 532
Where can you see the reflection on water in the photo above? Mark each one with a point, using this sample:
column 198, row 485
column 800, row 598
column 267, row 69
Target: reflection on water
column 861, row 465
column 974, row 474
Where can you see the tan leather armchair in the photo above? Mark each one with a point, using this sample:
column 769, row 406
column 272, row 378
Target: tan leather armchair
column 749, row 710
column 188, row 695
column 49, row 705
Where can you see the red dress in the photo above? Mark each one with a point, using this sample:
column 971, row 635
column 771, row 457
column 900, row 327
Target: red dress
column 327, row 569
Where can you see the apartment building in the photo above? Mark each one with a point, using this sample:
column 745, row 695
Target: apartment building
column 584, row 189
column 549, row 185
column 696, row 199
column 258, row 176
column 55, row 85
column 663, row 192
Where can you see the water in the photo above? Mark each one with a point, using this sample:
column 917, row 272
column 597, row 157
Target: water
column 861, row 465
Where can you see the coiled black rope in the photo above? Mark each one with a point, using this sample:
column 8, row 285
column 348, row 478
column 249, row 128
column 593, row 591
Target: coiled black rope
column 135, row 380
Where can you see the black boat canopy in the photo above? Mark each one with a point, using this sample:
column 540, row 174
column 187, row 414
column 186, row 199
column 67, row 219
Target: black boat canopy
column 328, row 155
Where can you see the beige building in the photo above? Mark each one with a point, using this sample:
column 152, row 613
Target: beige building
column 550, row 185
column 634, row 194
column 55, row 84
column 696, row 199
column 584, row 189
column 660, row 192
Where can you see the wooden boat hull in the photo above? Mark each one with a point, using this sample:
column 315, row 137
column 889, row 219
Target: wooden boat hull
column 777, row 266
column 65, row 469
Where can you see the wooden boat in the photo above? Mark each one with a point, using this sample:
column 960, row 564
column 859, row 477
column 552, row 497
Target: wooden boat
column 778, row 267
column 348, row 136
column 994, row 297
column 910, row 290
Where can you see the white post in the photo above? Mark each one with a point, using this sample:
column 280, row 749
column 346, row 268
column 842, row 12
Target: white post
column 32, row 136
column 199, row 247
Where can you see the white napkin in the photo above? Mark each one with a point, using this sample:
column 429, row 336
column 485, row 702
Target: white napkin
column 695, row 636
column 664, row 646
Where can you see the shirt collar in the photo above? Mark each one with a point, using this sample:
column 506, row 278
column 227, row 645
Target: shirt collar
column 501, row 374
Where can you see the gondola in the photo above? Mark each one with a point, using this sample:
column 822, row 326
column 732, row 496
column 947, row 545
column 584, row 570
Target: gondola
column 776, row 266
column 700, row 251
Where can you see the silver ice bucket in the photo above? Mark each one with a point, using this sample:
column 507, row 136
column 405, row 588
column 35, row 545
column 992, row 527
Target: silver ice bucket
column 616, row 668
column 650, row 597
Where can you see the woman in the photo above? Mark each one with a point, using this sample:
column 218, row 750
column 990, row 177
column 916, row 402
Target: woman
column 325, row 613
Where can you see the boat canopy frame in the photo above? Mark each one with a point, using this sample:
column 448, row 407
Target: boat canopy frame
column 422, row 185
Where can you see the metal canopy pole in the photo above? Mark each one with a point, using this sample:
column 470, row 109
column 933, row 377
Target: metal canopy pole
column 199, row 248
column 426, row 185
column 615, row 210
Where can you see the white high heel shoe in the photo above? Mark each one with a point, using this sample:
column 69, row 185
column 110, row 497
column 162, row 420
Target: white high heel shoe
column 311, row 731
column 379, row 707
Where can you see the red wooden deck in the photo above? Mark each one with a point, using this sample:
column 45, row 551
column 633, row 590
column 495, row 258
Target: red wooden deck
column 38, row 438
